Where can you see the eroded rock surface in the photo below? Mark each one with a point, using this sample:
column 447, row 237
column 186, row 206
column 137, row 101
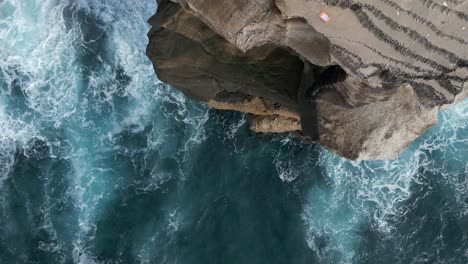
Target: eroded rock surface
column 364, row 85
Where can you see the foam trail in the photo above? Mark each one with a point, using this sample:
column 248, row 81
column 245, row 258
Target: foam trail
column 14, row 135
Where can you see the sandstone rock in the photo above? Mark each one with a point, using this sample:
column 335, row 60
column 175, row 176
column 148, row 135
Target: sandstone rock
column 253, row 105
column 193, row 58
column 274, row 124
column 364, row 85
column 376, row 130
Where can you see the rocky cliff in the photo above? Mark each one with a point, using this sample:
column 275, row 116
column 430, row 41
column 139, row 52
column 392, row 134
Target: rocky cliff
column 363, row 83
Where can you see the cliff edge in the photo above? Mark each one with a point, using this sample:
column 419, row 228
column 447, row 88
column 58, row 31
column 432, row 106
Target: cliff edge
column 361, row 78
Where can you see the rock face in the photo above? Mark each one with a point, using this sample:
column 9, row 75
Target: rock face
column 364, row 85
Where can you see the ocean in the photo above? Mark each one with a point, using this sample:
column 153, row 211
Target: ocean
column 100, row 162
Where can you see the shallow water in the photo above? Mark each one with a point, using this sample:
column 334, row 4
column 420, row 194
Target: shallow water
column 102, row 163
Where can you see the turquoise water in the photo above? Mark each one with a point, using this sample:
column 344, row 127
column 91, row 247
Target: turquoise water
column 102, row 163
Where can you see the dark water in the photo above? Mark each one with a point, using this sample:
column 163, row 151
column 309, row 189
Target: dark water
column 102, row 163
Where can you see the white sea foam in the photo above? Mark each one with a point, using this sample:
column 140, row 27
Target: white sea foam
column 37, row 40
column 174, row 221
column 14, row 135
column 290, row 165
column 357, row 194
column 39, row 45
